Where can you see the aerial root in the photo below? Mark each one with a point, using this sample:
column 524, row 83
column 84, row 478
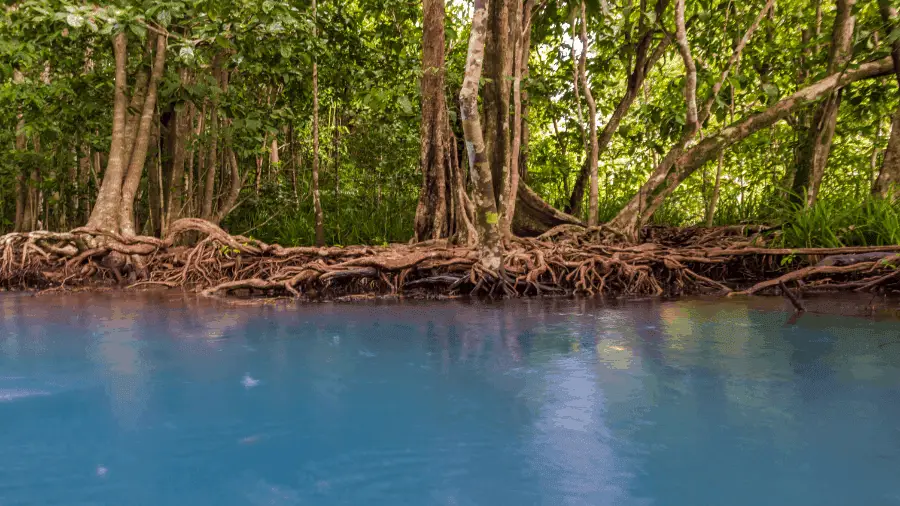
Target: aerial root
column 566, row 261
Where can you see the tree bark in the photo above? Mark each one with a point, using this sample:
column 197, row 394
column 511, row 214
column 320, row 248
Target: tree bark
column 317, row 201
column 593, row 196
column 105, row 214
column 22, row 175
column 521, row 34
column 714, row 199
column 486, row 218
column 141, row 142
column 435, row 197
column 175, row 199
column 212, row 161
column 666, row 177
column 234, row 190
column 495, row 98
column 889, row 175
column 816, row 144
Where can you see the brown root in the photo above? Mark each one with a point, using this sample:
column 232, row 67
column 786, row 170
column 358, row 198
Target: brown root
column 567, row 260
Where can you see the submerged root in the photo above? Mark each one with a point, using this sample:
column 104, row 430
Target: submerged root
column 569, row 260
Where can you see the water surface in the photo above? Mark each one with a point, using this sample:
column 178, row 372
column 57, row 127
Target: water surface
column 120, row 399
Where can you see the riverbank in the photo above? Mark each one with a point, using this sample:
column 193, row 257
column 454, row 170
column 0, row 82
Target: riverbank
column 565, row 261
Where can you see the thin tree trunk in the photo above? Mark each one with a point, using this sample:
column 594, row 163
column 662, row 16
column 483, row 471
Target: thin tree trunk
column 21, row 175
column 889, row 176
column 292, row 140
column 317, row 201
column 579, row 110
column 816, row 146
column 155, row 184
column 644, row 60
column 212, row 162
column 175, row 199
column 520, row 61
column 665, row 176
column 486, row 218
column 714, row 200
column 105, row 214
column 593, row 196
column 234, row 189
column 141, row 142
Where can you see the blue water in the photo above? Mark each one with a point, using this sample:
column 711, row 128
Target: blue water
column 119, row 400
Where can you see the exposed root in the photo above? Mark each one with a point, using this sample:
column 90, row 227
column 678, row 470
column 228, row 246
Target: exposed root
column 567, row 260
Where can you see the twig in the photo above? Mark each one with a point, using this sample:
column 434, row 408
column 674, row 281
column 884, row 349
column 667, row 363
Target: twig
column 791, row 297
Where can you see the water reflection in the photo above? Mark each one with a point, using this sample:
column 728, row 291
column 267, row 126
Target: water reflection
column 532, row 402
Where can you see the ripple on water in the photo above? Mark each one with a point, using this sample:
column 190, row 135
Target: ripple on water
column 12, row 394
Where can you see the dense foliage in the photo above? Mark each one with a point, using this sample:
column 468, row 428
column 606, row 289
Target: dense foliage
column 248, row 64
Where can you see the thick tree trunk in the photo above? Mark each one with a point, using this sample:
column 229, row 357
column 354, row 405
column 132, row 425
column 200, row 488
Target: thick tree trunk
column 889, row 176
column 495, row 98
column 816, row 145
column 141, row 142
column 105, row 214
column 667, row 177
column 593, row 196
column 317, row 200
column 646, row 56
column 486, row 217
column 433, row 220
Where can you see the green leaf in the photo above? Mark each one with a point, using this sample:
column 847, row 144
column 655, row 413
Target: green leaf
column 405, row 105
column 138, row 30
column 164, row 17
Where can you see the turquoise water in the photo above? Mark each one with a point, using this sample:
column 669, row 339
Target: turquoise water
column 118, row 400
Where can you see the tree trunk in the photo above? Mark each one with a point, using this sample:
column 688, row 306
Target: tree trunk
column 644, row 60
column 495, row 99
column 234, row 190
column 141, row 142
column 433, row 210
column 21, row 175
column 155, row 184
column 212, row 162
column 521, row 33
column 593, row 196
column 105, row 215
column 317, row 201
column 889, row 176
column 667, row 176
column 486, row 218
column 175, row 200
column 714, row 200
column 816, row 144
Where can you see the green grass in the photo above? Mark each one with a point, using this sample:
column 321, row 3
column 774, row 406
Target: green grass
column 834, row 224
